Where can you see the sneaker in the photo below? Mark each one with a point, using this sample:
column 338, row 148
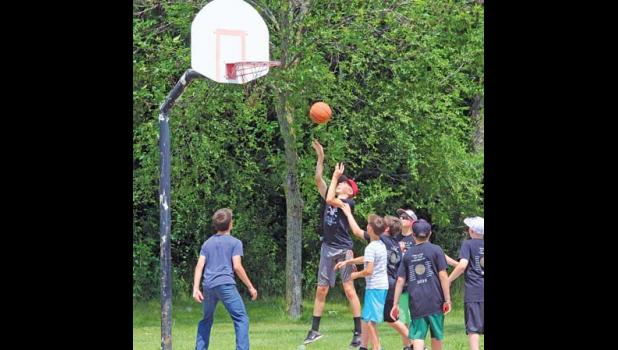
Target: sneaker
column 313, row 336
column 356, row 340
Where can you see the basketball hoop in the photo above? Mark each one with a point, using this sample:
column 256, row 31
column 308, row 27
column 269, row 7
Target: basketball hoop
column 247, row 71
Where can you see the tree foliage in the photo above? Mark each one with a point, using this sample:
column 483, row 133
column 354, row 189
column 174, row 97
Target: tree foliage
column 401, row 78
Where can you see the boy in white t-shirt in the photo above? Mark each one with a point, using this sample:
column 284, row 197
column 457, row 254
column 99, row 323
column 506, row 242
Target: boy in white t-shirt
column 376, row 279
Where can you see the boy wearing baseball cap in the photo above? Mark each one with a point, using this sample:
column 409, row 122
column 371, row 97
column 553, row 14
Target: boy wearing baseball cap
column 408, row 217
column 336, row 246
column 424, row 269
column 472, row 261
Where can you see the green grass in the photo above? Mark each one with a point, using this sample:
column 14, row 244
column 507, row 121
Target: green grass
column 270, row 328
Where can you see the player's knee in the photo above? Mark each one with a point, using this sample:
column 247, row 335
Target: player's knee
column 322, row 291
column 349, row 290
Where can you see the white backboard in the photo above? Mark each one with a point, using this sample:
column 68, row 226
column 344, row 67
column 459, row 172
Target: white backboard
column 228, row 31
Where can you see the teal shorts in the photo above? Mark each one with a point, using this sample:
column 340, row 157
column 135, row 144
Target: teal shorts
column 434, row 323
column 373, row 305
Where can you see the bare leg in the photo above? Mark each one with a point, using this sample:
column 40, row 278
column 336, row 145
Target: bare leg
column 364, row 334
column 436, row 344
column 419, row 344
column 350, row 293
column 402, row 330
column 475, row 340
column 320, row 300
column 373, row 335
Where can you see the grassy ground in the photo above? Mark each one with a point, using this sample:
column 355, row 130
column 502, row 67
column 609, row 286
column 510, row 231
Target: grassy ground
column 270, row 328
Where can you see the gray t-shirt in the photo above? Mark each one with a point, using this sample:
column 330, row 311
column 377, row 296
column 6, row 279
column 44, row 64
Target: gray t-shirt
column 473, row 250
column 420, row 267
column 218, row 251
column 375, row 252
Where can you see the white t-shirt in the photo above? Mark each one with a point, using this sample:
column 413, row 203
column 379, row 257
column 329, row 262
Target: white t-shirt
column 375, row 252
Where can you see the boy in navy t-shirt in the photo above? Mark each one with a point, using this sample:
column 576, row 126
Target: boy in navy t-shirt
column 424, row 269
column 472, row 261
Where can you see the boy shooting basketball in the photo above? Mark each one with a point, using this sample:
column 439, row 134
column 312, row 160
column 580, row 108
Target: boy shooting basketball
column 336, row 246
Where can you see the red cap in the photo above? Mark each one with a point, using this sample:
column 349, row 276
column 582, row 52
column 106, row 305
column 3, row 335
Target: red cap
column 354, row 187
column 350, row 182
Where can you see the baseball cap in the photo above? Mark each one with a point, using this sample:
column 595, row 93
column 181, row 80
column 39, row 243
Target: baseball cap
column 350, row 182
column 408, row 213
column 421, row 228
column 476, row 223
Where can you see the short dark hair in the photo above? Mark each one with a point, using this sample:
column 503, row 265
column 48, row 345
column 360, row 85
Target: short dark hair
column 394, row 224
column 222, row 219
column 377, row 224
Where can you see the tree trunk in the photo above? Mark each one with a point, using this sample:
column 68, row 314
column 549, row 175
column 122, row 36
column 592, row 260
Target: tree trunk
column 294, row 202
column 294, row 206
column 479, row 132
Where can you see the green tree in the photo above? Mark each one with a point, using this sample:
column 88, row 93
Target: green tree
column 405, row 82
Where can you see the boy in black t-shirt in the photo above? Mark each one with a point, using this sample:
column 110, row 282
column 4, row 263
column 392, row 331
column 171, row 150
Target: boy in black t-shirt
column 472, row 261
column 424, row 269
column 336, row 245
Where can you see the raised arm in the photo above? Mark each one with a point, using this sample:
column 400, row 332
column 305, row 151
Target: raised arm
column 240, row 271
column 319, row 168
column 331, row 198
column 356, row 230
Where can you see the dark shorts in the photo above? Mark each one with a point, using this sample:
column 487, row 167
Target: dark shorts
column 329, row 257
column 388, row 305
column 475, row 321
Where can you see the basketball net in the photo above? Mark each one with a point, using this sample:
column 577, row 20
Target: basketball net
column 247, row 71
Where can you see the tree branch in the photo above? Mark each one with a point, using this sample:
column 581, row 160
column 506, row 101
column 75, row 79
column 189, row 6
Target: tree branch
column 298, row 20
column 265, row 12
column 452, row 73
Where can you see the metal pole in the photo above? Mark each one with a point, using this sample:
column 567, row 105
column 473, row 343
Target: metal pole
column 165, row 208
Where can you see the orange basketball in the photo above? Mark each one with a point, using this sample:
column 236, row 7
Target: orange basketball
column 320, row 112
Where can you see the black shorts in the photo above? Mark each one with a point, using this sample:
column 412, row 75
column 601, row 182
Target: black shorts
column 475, row 321
column 388, row 305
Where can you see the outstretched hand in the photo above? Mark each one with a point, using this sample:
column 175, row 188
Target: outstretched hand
column 318, row 149
column 341, row 264
column 339, row 168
